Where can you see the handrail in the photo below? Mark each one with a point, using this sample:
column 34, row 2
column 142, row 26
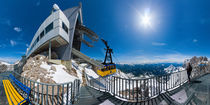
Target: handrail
column 45, row 93
column 136, row 90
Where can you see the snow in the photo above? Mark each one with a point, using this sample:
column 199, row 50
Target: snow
column 91, row 73
column 60, row 75
column 17, row 62
column 163, row 102
column 5, row 63
column 180, row 97
column 173, row 69
column 84, row 66
column 106, row 102
column 122, row 74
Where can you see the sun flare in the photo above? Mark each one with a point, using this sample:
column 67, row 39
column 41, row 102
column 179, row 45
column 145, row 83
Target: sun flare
column 146, row 19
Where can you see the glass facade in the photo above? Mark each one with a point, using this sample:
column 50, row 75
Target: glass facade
column 45, row 31
column 49, row 28
column 42, row 34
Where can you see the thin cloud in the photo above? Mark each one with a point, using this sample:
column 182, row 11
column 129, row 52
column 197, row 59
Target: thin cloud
column 9, row 59
column 195, row 40
column 5, row 21
column 17, row 29
column 2, row 45
column 167, row 58
column 27, row 45
column 13, row 43
column 37, row 3
column 158, row 44
column 20, row 53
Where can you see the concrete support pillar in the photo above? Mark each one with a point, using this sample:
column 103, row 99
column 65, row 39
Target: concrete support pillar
column 49, row 49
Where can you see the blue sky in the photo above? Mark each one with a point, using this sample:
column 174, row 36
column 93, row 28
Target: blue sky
column 179, row 28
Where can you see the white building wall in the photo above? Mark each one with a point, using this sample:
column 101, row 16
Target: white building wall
column 57, row 18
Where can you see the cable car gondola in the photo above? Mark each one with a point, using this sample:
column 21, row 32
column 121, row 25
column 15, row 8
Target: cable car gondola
column 109, row 67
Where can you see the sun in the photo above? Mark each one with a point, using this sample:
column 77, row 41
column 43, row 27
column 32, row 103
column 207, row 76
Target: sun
column 146, row 19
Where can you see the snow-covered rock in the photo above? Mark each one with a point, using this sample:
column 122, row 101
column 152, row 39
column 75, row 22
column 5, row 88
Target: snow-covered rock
column 38, row 69
column 4, row 66
column 172, row 69
column 123, row 75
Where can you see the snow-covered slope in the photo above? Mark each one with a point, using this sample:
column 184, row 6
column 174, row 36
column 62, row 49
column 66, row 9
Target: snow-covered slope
column 4, row 63
column 84, row 66
column 172, row 69
column 59, row 75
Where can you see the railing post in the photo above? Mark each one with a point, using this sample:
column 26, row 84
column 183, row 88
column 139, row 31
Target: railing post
column 33, row 90
column 133, row 89
column 53, row 94
column 129, row 83
column 110, row 86
column 137, row 90
column 105, row 83
column 47, row 94
column 119, row 86
column 67, row 94
column 42, row 94
column 172, row 80
column 114, row 86
column 180, row 78
column 126, row 92
column 123, row 91
column 166, row 82
column 99, row 83
column 159, row 84
column 62, row 94
column 37, row 92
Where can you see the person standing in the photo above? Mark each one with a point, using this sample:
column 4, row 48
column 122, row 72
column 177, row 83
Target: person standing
column 189, row 70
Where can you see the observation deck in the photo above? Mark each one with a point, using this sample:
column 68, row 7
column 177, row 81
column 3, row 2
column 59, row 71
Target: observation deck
column 171, row 89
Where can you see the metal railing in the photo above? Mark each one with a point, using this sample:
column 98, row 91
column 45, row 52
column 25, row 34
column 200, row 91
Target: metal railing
column 136, row 90
column 50, row 94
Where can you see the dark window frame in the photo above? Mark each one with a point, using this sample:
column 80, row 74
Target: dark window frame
column 41, row 34
column 65, row 28
column 49, row 28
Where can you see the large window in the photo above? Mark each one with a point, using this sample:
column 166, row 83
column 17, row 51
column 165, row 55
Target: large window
column 49, row 27
column 64, row 27
column 37, row 40
column 42, row 34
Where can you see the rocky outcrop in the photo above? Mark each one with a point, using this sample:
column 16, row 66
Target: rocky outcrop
column 38, row 68
column 200, row 65
column 53, row 54
column 33, row 71
column 3, row 68
column 195, row 61
column 6, row 67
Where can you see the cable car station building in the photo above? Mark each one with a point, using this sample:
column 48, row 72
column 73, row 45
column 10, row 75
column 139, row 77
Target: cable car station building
column 60, row 32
